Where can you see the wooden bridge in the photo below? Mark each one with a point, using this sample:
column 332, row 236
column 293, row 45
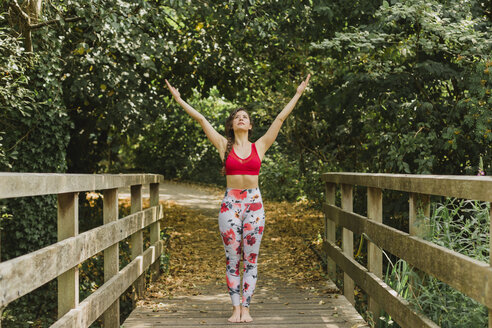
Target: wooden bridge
column 276, row 304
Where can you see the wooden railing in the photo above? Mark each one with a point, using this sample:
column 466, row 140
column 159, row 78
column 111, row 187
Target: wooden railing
column 24, row 274
column 471, row 277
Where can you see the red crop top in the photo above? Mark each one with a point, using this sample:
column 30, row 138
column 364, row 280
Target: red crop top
column 235, row 165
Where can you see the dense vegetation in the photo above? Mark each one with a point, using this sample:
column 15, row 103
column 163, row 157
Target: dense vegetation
column 397, row 86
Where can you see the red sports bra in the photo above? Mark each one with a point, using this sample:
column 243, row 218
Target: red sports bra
column 235, row 165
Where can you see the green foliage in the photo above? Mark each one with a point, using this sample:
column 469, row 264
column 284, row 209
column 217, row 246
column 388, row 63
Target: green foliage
column 413, row 88
column 197, row 159
column 463, row 226
column 112, row 75
column 34, row 130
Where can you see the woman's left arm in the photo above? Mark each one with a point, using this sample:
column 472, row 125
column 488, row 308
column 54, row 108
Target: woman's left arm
column 269, row 137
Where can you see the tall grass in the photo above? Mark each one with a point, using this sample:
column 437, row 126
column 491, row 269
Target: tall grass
column 459, row 225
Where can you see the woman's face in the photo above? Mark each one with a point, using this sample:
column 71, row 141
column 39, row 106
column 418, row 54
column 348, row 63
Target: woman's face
column 241, row 121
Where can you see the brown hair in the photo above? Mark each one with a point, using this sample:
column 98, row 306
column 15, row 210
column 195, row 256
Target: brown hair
column 230, row 133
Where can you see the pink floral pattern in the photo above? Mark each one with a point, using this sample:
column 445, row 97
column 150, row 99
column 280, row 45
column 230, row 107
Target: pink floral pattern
column 241, row 224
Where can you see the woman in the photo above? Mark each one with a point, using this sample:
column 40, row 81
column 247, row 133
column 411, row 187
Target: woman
column 241, row 213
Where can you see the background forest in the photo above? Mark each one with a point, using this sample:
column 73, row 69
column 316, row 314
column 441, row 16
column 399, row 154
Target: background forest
column 396, row 87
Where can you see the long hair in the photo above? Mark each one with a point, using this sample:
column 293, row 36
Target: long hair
column 231, row 138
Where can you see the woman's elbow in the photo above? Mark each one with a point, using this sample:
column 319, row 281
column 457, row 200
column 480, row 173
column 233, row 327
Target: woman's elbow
column 280, row 119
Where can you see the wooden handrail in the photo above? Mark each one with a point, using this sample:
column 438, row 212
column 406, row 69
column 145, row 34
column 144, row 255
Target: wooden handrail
column 23, row 274
column 459, row 186
column 38, row 184
column 469, row 276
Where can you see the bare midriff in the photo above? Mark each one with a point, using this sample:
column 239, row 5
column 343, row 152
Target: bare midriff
column 242, row 181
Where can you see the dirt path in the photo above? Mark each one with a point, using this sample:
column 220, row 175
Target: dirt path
column 205, row 199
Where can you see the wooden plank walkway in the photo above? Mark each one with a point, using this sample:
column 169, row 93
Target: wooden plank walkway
column 274, row 304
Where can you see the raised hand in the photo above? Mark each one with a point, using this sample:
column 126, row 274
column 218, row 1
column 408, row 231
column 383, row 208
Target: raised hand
column 303, row 85
column 174, row 91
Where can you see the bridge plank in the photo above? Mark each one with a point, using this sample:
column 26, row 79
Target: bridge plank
column 468, row 187
column 38, row 184
column 286, row 305
column 23, row 274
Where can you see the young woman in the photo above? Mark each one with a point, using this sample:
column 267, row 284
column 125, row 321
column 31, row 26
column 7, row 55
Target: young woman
column 241, row 217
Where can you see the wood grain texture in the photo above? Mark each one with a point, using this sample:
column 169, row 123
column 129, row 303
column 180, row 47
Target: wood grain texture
column 111, row 317
column 274, row 304
column 67, row 227
column 468, row 187
column 348, row 241
column 37, row 184
column 330, row 227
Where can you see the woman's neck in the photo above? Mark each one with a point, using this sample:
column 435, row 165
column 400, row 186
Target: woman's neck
column 241, row 138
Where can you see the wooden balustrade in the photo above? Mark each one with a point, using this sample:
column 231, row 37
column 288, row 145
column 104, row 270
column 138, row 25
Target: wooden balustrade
column 471, row 277
column 23, row 274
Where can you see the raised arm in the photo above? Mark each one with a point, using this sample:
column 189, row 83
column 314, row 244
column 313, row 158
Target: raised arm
column 269, row 137
column 216, row 138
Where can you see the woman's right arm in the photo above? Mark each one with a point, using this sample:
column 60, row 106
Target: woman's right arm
column 216, row 138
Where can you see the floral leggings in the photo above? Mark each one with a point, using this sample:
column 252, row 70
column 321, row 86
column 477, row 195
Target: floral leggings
column 241, row 215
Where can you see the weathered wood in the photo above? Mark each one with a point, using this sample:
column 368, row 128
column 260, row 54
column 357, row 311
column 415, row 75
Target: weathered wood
column 136, row 240
column 419, row 215
column 25, row 273
column 155, row 229
column 468, row 187
column 469, row 276
column 490, row 262
column 418, row 225
column 395, row 305
column 111, row 317
column 99, row 301
column 68, row 226
column 348, row 241
column 36, row 184
column 374, row 253
column 279, row 304
column 330, row 228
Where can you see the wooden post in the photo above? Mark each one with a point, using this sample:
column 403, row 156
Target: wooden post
column 136, row 240
column 111, row 317
column 155, row 229
column 374, row 254
column 419, row 214
column 68, row 226
column 330, row 229
column 348, row 241
column 418, row 225
column 490, row 261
